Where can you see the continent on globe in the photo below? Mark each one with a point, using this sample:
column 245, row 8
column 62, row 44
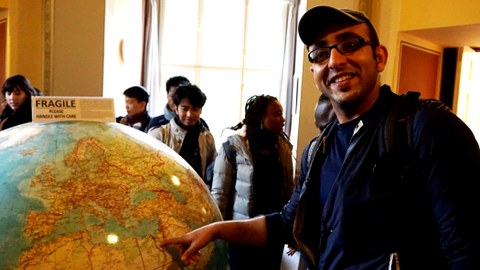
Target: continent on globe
column 89, row 195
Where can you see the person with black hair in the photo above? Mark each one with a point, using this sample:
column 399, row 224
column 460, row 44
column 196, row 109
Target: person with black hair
column 323, row 112
column 136, row 100
column 169, row 110
column 363, row 201
column 261, row 181
column 17, row 91
column 185, row 133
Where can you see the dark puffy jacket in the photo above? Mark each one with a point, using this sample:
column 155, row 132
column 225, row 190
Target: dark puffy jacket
column 377, row 217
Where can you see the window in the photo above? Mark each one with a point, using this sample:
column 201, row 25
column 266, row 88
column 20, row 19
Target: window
column 231, row 49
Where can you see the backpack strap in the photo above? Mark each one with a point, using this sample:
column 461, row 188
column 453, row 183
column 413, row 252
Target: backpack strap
column 231, row 155
column 399, row 123
column 398, row 131
column 398, row 135
column 313, row 148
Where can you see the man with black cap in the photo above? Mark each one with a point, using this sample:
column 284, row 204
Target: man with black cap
column 357, row 205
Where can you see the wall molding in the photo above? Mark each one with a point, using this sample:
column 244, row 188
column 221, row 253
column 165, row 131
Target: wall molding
column 48, row 12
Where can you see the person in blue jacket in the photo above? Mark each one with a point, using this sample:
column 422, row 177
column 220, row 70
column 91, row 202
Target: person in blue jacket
column 355, row 206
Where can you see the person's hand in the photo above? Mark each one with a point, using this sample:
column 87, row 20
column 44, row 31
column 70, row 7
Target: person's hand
column 191, row 243
column 124, row 121
column 292, row 249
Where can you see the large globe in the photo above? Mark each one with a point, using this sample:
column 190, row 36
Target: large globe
column 86, row 195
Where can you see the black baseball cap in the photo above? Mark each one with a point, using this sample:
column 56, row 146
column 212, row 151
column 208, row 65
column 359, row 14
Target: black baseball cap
column 317, row 17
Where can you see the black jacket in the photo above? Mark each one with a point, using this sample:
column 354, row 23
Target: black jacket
column 376, row 213
column 21, row 116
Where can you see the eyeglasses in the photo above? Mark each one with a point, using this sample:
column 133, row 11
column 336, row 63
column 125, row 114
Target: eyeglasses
column 321, row 54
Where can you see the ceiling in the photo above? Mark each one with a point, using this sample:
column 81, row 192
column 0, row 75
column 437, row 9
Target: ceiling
column 457, row 36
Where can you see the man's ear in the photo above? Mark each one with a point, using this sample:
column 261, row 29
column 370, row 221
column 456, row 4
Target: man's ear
column 382, row 56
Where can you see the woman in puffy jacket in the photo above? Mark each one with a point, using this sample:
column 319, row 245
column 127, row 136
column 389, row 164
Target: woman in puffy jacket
column 261, row 180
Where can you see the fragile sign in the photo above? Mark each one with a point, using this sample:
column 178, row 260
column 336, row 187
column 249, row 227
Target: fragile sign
column 54, row 109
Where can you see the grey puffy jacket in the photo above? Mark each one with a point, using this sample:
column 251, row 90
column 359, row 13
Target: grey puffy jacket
column 233, row 194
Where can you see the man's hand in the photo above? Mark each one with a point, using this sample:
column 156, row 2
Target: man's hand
column 191, row 243
column 250, row 232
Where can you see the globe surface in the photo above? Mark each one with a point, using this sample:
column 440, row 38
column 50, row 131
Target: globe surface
column 86, row 195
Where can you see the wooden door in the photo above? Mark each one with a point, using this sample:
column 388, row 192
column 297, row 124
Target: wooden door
column 419, row 71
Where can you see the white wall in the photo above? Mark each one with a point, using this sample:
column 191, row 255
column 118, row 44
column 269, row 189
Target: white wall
column 123, row 49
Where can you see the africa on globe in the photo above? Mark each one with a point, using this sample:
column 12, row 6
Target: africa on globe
column 90, row 195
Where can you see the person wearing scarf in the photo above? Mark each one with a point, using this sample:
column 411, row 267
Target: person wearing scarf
column 185, row 133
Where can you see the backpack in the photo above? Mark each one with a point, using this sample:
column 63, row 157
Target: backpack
column 398, row 127
column 231, row 156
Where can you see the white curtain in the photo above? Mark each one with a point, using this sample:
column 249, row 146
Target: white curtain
column 150, row 74
column 287, row 87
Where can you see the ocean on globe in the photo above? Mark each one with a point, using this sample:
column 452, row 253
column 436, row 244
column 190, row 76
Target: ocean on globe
column 88, row 195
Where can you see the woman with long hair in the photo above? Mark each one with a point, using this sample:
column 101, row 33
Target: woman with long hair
column 18, row 92
column 261, row 180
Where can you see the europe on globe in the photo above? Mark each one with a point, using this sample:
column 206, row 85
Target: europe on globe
column 90, row 195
